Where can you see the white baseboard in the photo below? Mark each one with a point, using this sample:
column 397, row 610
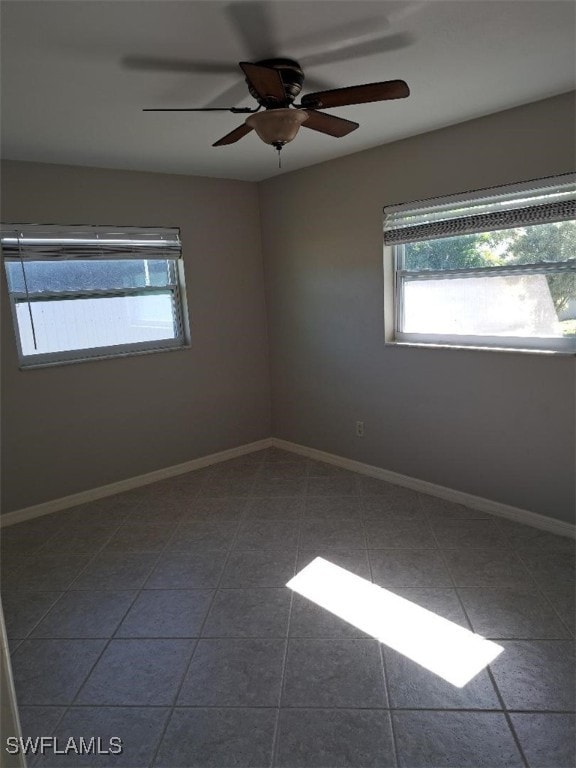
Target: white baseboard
column 467, row 499
column 558, row 527
column 56, row 505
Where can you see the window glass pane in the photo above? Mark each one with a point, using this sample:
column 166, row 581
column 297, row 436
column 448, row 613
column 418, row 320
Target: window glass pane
column 85, row 323
column 506, row 247
column 523, row 305
column 77, row 275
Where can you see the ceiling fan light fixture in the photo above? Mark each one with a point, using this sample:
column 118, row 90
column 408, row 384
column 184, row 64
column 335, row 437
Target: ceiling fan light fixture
column 277, row 126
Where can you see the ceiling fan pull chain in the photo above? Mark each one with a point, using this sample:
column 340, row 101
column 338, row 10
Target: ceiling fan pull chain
column 279, row 157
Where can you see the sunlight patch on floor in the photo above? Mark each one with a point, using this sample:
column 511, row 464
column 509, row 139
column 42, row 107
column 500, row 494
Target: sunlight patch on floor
column 450, row 651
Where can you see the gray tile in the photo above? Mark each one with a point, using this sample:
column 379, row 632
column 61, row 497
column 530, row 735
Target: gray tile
column 438, row 509
column 268, row 534
column 536, row 674
column 338, row 738
column 160, row 511
column 284, row 470
column 277, row 454
column 563, row 600
column 163, row 494
column 397, row 533
column 116, row 570
column 167, row 613
column 548, row 740
column 333, row 673
column 44, row 526
column 14, row 643
column 527, row 537
column 187, row 570
column 454, row 740
column 229, row 470
column 355, row 561
column 276, row 486
column 199, row 535
column 550, row 568
column 442, row 601
column 139, row 728
column 79, row 540
column 330, row 534
column 409, row 568
column 22, row 541
column 225, row 487
column 333, row 507
column 321, row 469
column 269, row 568
column 106, row 513
column 333, row 486
column 234, row 673
column 45, row 572
column 393, row 505
column 85, row 614
column 393, row 498
column 39, row 721
column 52, row 671
column 140, row 537
column 218, row 738
column 137, row 673
column 452, row 534
column 11, row 563
column 507, row 612
column 275, row 508
column 486, row 568
column 23, row 610
column 411, row 686
column 216, row 510
column 248, row 613
column 307, row 619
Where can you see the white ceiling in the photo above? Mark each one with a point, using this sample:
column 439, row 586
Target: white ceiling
column 70, row 96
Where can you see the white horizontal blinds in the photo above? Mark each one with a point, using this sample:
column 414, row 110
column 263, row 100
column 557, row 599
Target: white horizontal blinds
column 40, row 242
column 539, row 202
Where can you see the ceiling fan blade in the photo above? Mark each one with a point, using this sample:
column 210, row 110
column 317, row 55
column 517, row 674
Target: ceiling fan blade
column 330, row 124
column 151, row 64
column 234, row 110
column 357, row 94
column 233, row 136
column 253, row 24
column 266, row 81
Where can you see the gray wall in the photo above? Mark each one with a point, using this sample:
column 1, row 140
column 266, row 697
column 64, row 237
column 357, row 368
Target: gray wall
column 70, row 428
column 499, row 425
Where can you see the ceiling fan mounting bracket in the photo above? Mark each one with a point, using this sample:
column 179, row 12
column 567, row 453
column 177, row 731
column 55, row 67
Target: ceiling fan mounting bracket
column 292, row 78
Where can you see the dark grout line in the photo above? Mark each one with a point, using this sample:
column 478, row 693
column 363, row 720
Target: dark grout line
column 383, row 660
column 275, row 734
column 246, row 500
column 201, row 629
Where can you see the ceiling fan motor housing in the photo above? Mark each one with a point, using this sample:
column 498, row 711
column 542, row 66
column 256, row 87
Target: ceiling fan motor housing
column 292, row 78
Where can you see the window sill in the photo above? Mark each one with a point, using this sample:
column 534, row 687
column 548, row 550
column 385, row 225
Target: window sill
column 469, row 347
column 95, row 358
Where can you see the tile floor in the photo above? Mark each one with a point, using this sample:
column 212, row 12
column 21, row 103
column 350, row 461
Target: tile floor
column 161, row 616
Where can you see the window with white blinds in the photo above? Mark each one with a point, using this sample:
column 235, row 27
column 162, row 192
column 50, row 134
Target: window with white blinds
column 80, row 293
column 493, row 268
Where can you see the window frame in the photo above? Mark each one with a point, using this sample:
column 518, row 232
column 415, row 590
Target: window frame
column 176, row 288
column 397, row 276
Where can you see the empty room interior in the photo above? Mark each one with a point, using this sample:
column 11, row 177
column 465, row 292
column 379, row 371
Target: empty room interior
column 288, row 384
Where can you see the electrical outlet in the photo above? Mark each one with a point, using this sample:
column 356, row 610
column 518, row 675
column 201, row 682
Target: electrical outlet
column 359, row 429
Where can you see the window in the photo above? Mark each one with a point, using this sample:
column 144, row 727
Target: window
column 86, row 292
column 495, row 268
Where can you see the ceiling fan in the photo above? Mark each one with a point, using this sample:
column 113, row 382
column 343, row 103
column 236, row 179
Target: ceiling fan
column 275, row 83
